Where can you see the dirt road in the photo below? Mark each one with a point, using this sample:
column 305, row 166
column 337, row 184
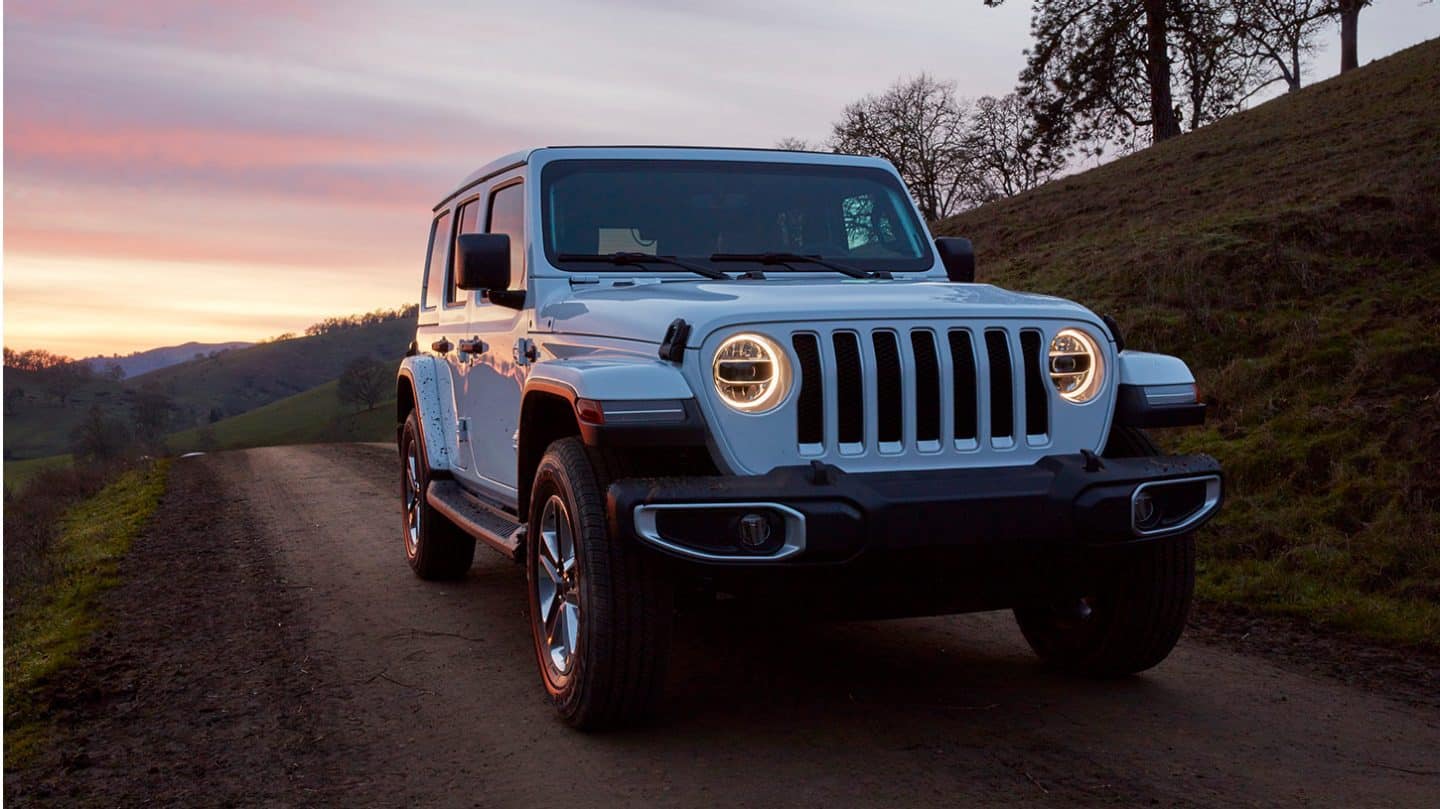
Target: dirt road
column 270, row 646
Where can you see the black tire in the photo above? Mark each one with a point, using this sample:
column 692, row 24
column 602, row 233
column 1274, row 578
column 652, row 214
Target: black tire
column 435, row 547
column 616, row 668
column 1138, row 609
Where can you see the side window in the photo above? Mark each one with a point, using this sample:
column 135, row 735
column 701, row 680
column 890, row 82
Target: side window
column 467, row 222
column 438, row 260
column 507, row 215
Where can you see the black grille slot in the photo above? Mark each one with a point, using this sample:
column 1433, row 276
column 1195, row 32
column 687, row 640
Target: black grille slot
column 889, row 395
column 962, row 365
column 927, row 386
column 1002, row 385
column 849, row 388
column 1037, row 399
column 810, row 409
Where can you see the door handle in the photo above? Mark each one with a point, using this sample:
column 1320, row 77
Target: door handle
column 473, row 345
column 442, row 346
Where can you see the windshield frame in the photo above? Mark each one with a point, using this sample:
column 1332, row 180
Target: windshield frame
column 910, row 267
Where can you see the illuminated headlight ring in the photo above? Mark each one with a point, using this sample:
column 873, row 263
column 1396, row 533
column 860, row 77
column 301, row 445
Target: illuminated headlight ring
column 1076, row 365
column 751, row 373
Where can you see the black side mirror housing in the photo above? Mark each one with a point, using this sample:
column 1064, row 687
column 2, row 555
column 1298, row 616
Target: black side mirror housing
column 482, row 261
column 958, row 256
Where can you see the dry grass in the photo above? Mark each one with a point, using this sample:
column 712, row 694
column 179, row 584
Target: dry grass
column 65, row 533
column 1291, row 254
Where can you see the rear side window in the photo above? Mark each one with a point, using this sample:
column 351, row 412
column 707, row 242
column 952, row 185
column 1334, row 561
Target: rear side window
column 507, row 215
column 437, row 261
column 469, row 222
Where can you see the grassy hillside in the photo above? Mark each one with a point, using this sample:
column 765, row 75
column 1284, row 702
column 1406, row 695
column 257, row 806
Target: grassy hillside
column 238, row 381
column 310, row 417
column 231, row 383
column 1291, row 254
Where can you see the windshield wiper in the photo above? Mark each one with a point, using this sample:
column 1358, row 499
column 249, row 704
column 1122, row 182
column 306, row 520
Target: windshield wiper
column 640, row 259
column 771, row 259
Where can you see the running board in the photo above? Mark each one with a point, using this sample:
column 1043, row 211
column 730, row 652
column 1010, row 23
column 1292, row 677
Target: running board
column 494, row 528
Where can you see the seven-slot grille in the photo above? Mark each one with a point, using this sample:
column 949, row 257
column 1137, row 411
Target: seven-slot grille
column 893, row 390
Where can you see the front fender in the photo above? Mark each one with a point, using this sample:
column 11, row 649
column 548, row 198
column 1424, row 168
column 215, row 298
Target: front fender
column 610, row 379
column 1143, row 368
column 1156, row 390
column 429, row 380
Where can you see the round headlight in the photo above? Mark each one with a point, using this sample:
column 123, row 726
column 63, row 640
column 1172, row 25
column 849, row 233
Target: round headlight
column 751, row 373
column 1077, row 367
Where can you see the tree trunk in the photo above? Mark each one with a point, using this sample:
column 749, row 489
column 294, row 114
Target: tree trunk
column 1349, row 22
column 1163, row 124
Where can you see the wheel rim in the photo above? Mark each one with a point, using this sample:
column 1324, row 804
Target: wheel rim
column 413, row 498
column 557, row 590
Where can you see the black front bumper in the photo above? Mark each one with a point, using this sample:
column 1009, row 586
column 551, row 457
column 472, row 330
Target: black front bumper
column 1064, row 502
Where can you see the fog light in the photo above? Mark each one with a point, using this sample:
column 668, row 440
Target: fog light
column 1147, row 513
column 754, row 531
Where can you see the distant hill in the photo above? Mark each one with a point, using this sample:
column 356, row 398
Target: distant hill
column 1291, row 254
column 204, row 390
column 305, row 418
column 241, row 380
column 142, row 362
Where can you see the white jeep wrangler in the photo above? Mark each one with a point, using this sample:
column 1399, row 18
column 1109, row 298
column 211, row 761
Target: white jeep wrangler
column 651, row 371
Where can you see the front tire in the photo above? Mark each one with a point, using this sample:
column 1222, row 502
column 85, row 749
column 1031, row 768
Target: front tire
column 435, row 547
column 1134, row 615
column 600, row 607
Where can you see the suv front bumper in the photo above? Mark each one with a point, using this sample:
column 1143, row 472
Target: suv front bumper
column 807, row 515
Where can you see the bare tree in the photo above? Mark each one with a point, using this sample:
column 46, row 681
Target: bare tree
column 1005, row 154
column 1280, row 34
column 794, row 145
column 151, row 411
column 919, row 126
column 99, row 437
column 364, row 381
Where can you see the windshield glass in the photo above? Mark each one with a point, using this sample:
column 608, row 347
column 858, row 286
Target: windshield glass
column 693, row 209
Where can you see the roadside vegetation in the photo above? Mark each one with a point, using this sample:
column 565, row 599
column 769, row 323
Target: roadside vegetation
column 65, row 533
column 1291, row 254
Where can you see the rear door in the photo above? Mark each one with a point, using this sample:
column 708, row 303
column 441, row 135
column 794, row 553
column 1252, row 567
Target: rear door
column 494, row 374
column 442, row 320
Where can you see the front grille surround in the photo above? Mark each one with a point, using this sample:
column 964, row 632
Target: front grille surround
column 941, row 405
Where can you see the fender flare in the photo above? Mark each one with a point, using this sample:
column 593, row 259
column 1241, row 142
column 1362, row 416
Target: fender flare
column 434, row 400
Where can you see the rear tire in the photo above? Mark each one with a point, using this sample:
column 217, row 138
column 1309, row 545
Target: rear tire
column 601, row 607
column 435, row 547
column 1135, row 615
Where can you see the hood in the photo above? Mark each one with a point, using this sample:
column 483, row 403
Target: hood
column 644, row 310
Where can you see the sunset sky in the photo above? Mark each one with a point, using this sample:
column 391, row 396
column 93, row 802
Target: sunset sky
column 179, row 170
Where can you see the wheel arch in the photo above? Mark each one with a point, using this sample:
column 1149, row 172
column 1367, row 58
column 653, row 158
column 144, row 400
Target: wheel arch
column 547, row 414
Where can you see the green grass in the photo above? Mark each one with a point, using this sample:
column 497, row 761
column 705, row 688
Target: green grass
column 1291, row 255
column 54, row 623
column 310, row 417
column 18, row 473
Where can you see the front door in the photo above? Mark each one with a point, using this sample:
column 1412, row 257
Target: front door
column 494, row 371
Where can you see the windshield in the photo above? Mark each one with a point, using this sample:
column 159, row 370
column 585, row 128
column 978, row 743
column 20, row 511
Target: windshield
column 695, row 209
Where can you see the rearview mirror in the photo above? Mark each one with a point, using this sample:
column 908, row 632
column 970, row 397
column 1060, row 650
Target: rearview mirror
column 958, row 256
column 482, row 261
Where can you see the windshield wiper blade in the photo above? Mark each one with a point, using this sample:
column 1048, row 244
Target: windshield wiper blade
column 771, row 259
column 640, row 259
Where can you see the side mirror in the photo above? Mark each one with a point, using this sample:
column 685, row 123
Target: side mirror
column 958, row 256
column 482, row 261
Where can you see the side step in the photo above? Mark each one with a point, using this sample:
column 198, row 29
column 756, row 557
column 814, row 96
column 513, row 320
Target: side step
column 495, row 528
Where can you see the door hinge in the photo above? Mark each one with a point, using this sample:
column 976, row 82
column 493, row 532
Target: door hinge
column 462, row 430
column 525, row 351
